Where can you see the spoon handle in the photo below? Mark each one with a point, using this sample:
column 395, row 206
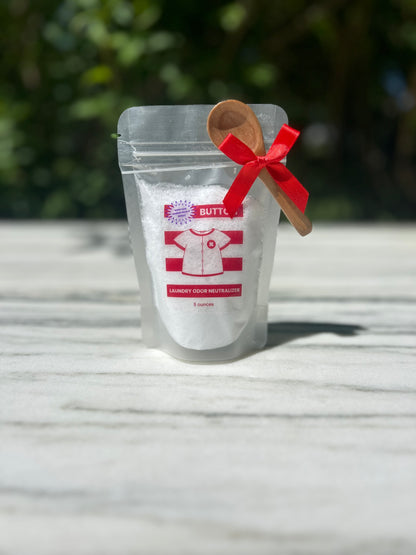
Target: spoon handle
column 296, row 217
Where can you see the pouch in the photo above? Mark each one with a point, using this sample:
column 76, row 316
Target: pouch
column 203, row 276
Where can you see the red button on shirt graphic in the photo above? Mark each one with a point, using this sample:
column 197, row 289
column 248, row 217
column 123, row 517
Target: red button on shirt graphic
column 211, row 244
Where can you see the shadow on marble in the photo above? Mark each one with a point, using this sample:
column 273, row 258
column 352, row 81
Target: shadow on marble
column 285, row 332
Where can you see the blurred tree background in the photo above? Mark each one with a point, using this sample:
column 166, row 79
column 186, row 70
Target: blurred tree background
column 344, row 71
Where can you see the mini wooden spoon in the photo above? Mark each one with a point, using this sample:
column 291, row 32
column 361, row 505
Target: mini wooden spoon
column 233, row 116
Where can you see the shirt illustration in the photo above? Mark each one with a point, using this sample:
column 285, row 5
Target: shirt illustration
column 202, row 256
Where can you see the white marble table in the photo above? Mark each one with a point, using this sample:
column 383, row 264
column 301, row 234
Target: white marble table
column 307, row 447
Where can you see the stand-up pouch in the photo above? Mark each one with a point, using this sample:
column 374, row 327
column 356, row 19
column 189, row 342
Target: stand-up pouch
column 203, row 276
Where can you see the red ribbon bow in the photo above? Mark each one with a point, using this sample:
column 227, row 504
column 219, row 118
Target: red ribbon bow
column 253, row 164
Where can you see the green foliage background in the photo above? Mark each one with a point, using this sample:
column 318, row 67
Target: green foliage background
column 344, row 71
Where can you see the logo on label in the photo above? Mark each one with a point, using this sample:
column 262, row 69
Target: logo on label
column 180, row 212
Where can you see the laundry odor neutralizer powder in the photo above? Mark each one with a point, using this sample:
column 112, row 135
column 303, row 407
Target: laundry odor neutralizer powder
column 203, row 276
column 204, row 265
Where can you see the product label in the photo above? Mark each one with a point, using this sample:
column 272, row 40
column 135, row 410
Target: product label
column 199, row 253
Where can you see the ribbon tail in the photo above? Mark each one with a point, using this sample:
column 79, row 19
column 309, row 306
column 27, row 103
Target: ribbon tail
column 289, row 185
column 240, row 187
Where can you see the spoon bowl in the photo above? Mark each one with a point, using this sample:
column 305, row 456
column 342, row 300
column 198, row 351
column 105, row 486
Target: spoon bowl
column 235, row 117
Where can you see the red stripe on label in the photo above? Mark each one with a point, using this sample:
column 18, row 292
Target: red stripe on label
column 198, row 291
column 229, row 264
column 235, row 236
column 232, row 264
column 174, row 264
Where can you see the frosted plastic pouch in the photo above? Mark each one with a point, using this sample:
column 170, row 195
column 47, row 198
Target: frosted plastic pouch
column 203, row 277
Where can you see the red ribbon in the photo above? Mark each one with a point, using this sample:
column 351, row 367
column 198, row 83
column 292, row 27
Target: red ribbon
column 253, row 164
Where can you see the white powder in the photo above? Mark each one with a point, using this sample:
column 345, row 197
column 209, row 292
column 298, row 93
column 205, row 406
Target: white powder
column 196, row 260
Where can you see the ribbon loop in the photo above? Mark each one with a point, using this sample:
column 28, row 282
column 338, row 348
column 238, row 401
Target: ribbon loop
column 252, row 164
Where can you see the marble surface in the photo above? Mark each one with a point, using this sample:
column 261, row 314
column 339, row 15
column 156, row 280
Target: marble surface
column 307, row 447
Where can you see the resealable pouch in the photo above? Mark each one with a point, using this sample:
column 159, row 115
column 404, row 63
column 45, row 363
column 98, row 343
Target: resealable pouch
column 203, row 276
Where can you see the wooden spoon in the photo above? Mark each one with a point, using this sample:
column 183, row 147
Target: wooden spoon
column 233, row 116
